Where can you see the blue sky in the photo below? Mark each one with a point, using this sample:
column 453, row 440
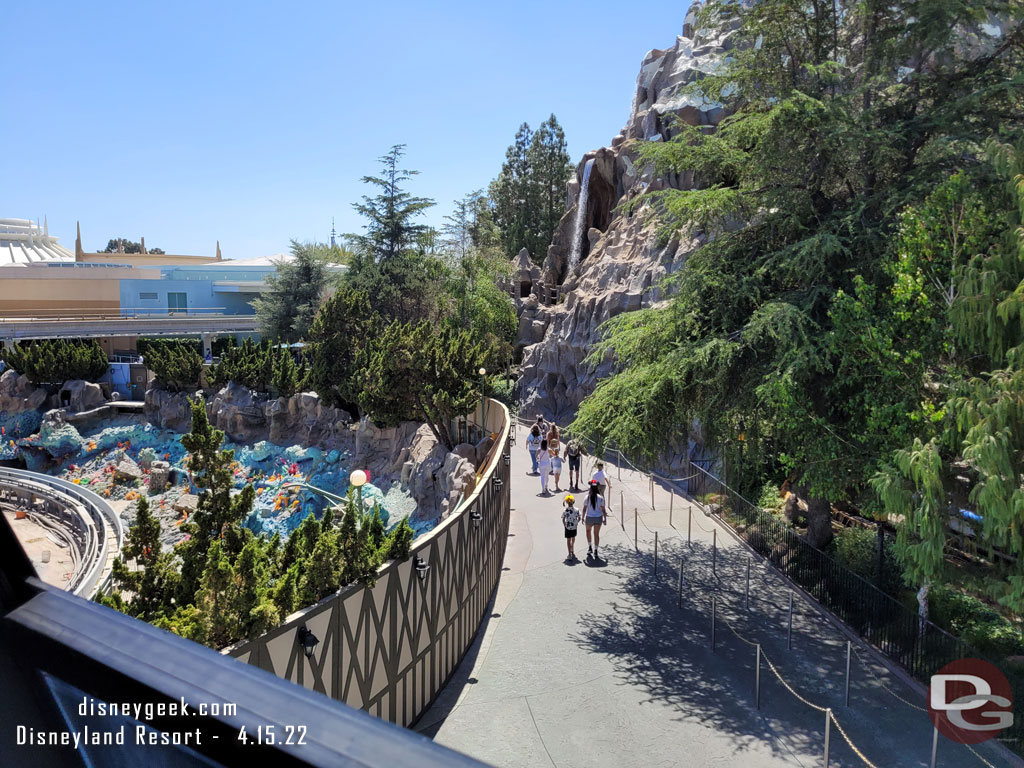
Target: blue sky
column 253, row 122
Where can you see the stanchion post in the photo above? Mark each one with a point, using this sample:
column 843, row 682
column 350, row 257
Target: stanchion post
column 679, row 590
column 757, row 678
column 671, row 505
column 828, row 732
column 746, row 593
column 714, row 552
column 652, row 491
column 714, row 615
column 849, row 647
column 689, row 521
column 935, row 747
column 618, row 465
column 622, row 512
column 655, row 553
column 636, row 541
column 789, row 634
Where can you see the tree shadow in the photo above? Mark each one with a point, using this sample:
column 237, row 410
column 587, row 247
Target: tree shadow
column 665, row 649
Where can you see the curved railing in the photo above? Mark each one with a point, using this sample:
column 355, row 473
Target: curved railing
column 103, row 531
column 391, row 648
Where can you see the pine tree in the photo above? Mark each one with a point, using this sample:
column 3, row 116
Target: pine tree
column 390, row 214
column 341, row 329
column 513, row 195
column 286, row 310
column 550, row 169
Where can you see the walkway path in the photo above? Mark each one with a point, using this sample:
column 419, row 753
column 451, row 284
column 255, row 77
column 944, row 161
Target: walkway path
column 594, row 665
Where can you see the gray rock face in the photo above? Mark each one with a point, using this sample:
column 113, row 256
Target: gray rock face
column 169, row 410
column 159, row 474
column 17, row 393
column 127, row 472
column 622, row 259
column 81, row 395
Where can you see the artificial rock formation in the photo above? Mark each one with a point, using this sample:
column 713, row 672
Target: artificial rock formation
column 18, row 394
column 622, row 261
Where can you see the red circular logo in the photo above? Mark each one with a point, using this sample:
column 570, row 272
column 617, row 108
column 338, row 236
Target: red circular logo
column 970, row 701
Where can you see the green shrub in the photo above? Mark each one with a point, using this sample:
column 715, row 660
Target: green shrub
column 502, row 390
column 51, row 362
column 976, row 622
column 175, row 362
column 770, row 497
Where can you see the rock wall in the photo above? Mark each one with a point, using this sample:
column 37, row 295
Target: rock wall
column 622, row 260
column 408, row 454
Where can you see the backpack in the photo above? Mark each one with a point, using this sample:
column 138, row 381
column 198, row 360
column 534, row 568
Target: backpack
column 573, row 448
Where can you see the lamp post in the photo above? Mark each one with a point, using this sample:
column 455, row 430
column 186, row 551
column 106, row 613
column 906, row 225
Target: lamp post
column 483, row 397
column 358, row 479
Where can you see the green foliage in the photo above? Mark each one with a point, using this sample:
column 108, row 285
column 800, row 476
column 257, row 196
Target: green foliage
column 390, row 214
column 529, row 193
column 342, row 328
column 811, row 317
column 51, row 362
column 233, row 584
column 176, row 363
column 976, row 622
column 260, row 367
column 124, row 245
column 423, row 373
column 286, row 310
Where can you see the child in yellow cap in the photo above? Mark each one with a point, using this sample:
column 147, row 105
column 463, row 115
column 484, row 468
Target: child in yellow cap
column 570, row 520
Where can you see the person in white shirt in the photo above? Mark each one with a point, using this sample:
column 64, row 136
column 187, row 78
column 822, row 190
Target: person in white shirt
column 595, row 514
column 556, row 466
column 533, row 445
column 599, row 477
column 543, row 466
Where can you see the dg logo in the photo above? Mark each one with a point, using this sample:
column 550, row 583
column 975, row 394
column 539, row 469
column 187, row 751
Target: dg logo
column 970, row 701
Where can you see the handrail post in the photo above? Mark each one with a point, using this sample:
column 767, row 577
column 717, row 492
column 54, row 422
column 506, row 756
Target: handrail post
column 636, row 544
column 757, row 679
column 671, row 505
column 656, row 566
column 849, row 646
column 714, row 552
column 828, row 732
column 689, row 522
column 789, row 633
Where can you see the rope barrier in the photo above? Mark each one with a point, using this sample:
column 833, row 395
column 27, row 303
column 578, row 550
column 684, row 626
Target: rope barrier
column 771, row 666
column 882, row 683
column 852, row 746
column 973, row 752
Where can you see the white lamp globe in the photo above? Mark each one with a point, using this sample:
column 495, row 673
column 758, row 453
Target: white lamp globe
column 357, row 478
column 483, row 371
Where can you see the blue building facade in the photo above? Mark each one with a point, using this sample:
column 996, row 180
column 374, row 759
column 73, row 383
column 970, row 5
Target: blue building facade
column 222, row 288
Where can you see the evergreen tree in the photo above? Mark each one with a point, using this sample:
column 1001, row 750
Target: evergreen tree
column 286, row 374
column 549, row 170
column 830, row 139
column 424, row 373
column 51, row 362
column 217, row 509
column 255, row 609
column 321, row 575
column 390, row 227
column 152, row 580
column 342, row 328
column 286, row 310
column 515, row 203
column 176, row 363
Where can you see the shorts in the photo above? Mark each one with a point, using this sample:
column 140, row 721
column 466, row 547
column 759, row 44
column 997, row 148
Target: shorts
column 599, row 520
column 570, row 533
column 574, row 463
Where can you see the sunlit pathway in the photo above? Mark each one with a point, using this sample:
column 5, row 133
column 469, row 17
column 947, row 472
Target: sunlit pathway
column 593, row 664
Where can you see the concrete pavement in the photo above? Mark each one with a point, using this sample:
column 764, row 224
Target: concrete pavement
column 594, row 664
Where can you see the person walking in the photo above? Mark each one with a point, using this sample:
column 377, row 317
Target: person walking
column 556, row 467
column 601, row 479
column 574, row 453
column 553, row 438
column 595, row 515
column 570, row 521
column 532, row 446
column 541, row 425
column 544, row 466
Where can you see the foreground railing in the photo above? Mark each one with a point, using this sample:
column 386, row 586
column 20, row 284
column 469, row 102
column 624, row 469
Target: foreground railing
column 391, row 648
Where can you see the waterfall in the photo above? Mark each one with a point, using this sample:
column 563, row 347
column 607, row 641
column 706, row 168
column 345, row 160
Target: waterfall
column 581, row 217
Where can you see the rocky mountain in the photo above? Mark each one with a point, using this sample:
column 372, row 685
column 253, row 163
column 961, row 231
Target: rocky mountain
column 619, row 261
